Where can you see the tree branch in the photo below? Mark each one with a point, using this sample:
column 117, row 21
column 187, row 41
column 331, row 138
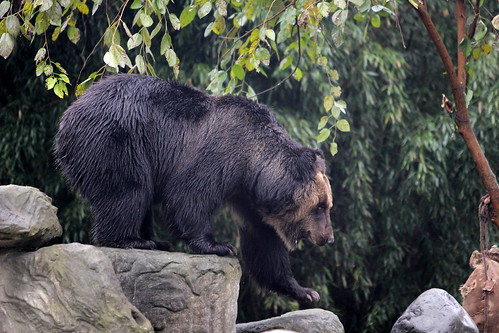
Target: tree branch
column 462, row 120
column 476, row 11
column 460, row 13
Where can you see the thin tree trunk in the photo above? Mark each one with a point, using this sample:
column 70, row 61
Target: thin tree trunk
column 457, row 81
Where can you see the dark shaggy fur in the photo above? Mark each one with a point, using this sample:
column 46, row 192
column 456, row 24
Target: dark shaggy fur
column 133, row 140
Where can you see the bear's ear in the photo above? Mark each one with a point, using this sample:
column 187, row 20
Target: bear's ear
column 307, row 163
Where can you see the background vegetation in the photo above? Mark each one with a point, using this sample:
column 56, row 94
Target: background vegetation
column 405, row 190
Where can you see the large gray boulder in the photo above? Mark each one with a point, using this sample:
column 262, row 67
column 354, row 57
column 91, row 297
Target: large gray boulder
column 27, row 217
column 64, row 288
column 302, row 321
column 435, row 310
column 180, row 292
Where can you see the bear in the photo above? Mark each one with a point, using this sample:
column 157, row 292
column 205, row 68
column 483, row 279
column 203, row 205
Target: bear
column 131, row 141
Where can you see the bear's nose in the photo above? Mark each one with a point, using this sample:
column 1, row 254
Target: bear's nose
column 330, row 240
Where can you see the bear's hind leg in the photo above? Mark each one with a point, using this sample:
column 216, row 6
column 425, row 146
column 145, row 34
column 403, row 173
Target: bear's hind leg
column 119, row 221
column 191, row 221
column 267, row 260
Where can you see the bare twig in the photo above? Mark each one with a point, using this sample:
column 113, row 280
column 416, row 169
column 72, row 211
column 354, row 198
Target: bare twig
column 476, row 13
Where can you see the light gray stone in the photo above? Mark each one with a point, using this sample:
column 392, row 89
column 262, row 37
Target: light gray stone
column 27, row 217
column 180, row 292
column 302, row 321
column 437, row 311
column 64, row 288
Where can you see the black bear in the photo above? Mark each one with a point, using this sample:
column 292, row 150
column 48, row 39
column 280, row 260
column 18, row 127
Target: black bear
column 131, row 141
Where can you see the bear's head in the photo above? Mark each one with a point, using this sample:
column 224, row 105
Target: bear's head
column 306, row 212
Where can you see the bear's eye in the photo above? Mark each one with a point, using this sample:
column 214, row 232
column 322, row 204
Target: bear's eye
column 320, row 208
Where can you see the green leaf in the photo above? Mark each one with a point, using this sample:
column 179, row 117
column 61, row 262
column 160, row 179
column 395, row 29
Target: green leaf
column 171, row 57
column 111, row 59
column 376, row 21
column 187, row 16
column 341, row 104
column 334, row 75
column 270, row 34
column 140, row 63
column 4, row 7
column 340, row 16
column 231, row 86
column 219, row 26
column 120, row 56
column 134, row 41
column 465, row 46
column 166, row 43
column 469, row 96
column 486, row 48
column 335, row 112
column 322, row 61
column 82, row 7
column 6, row 45
column 322, row 122
column 127, row 31
column 12, row 25
column 480, row 32
column 146, row 38
column 56, row 33
column 60, row 89
column 48, row 70
column 60, row 68
column 476, row 52
column 263, row 55
column 96, row 5
column 323, row 8
column 82, row 87
column 288, row 17
column 55, row 14
column 209, row 29
column 50, row 82
column 63, row 77
column 336, row 91
column 328, row 102
column 151, row 69
column 286, row 62
column 360, row 17
column 333, row 148
column 323, row 134
column 146, row 20
column 221, row 7
column 238, row 72
column 298, row 74
column 205, row 9
column 365, row 6
column 45, row 5
column 42, row 23
column 343, row 125
column 174, row 21
column 136, row 4
column 73, row 34
column 39, row 68
column 378, row 8
column 340, row 4
column 40, row 54
column 413, row 3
